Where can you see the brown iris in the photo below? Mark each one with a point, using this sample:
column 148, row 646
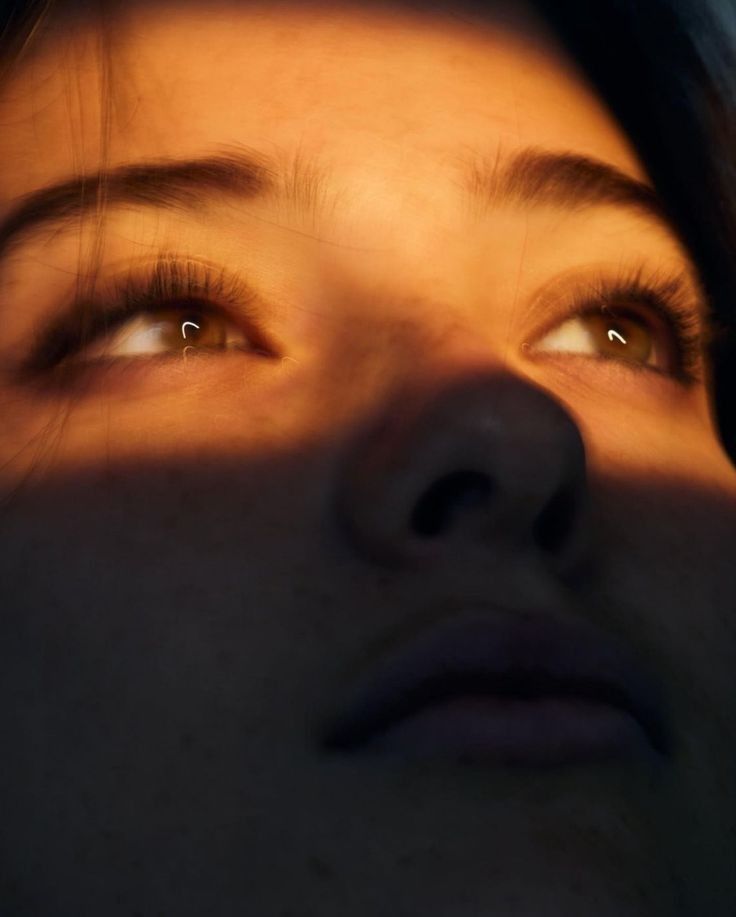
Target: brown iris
column 191, row 329
column 620, row 336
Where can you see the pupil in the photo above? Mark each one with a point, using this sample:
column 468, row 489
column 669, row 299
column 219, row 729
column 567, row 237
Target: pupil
column 190, row 328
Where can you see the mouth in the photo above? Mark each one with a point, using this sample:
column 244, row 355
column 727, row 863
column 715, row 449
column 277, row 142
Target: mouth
column 498, row 687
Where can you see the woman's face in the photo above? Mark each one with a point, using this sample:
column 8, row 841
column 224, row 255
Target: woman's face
column 204, row 544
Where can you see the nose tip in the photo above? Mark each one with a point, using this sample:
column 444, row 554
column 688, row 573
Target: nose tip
column 491, row 460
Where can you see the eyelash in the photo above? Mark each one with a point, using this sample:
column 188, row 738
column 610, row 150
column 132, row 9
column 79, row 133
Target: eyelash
column 212, row 291
column 665, row 296
column 160, row 285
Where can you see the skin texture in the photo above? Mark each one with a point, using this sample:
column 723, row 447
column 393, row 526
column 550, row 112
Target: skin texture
column 201, row 552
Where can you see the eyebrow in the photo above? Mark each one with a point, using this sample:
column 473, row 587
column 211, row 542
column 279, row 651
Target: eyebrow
column 534, row 177
column 531, row 177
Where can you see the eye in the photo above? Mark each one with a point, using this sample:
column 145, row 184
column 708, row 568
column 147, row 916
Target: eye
column 172, row 307
column 168, row 331
column 608, row 334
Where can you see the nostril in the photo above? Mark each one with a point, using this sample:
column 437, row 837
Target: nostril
column 461, row 489
column 553, row 525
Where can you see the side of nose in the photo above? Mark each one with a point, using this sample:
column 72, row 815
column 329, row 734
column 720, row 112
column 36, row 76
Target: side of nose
column 486, row 459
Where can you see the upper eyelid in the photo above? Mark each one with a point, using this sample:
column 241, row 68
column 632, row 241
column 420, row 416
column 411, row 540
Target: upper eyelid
column 565, row 290
column 670, row 297
column 576, row 308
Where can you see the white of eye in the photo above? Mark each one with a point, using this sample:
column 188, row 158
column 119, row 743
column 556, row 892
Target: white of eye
column 143, row 335
column 571, row 336
column 137, row 337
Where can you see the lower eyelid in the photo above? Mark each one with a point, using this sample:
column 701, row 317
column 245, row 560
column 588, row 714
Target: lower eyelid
column 618, row 377
column 163, row 371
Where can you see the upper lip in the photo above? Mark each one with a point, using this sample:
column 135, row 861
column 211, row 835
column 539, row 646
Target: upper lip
column 495, row 652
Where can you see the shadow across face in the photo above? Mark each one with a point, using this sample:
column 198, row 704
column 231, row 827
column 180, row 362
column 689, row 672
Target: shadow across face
column 174, row 630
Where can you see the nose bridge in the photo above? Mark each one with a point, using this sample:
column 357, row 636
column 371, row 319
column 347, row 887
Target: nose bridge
column 483, row 457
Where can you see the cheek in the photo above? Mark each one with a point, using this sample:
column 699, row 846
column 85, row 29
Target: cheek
column 665, row 580
column 632, row 438
column 672, row 517
column 112, row 529
column 665, row 549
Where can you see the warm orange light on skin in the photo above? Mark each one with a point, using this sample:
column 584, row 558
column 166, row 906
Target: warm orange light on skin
column 179, row 555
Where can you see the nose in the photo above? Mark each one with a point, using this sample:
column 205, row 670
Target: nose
column 484, row 459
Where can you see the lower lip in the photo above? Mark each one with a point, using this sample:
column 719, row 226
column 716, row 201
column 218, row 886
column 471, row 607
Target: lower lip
column 541, row 732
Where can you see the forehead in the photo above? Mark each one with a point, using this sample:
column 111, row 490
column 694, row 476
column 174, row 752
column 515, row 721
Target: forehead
column 405, row 93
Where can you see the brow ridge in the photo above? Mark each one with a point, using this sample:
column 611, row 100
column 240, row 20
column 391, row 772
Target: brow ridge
column 530, row 177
